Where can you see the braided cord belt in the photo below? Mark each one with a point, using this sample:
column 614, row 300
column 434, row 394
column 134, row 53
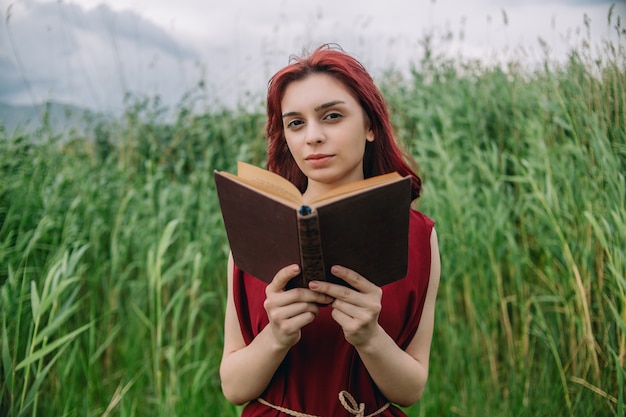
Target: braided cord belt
column 347, row 400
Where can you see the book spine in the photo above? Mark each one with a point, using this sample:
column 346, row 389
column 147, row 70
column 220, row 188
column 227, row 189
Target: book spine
column 312, row 261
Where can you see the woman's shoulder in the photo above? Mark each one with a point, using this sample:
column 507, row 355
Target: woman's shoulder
column 421, row 221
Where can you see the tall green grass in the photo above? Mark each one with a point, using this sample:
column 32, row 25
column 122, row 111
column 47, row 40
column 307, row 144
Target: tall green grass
column 525, row 173
column 112, row 251
column 112, row 266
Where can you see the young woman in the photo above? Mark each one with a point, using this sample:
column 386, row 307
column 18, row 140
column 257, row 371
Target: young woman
column 329, row 350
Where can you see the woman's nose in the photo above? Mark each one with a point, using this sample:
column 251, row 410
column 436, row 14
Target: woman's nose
column 314, row 133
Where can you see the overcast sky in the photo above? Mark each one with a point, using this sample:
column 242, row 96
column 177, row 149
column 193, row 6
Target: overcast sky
column 91, row 52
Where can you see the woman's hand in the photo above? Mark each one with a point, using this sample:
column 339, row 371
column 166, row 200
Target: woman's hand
column 289, row 311
column 355, row 310
column 247, row 368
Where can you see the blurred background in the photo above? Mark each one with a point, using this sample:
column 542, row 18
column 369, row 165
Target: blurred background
column 91, row 53
column 114, row 116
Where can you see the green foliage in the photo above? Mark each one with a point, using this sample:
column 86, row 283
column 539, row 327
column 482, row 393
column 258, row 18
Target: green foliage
column 113, row 255
column 112, row 260
column 525, row 174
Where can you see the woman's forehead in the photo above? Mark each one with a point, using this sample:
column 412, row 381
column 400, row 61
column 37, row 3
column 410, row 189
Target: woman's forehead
column 316, row 90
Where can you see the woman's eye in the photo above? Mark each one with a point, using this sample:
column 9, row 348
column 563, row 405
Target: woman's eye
column 294, row 123
column 333, row 116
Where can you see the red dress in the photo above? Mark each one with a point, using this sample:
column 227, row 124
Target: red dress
column 323, row 363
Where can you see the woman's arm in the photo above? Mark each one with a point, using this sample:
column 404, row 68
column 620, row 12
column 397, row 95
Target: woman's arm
column 400, row 375
column 246, row 370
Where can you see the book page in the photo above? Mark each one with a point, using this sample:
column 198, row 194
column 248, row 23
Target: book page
column 269, row 182
column 355, row 188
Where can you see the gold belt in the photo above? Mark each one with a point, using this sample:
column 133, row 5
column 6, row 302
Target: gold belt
column 347, row 400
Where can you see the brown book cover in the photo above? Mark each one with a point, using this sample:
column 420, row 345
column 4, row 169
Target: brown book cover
column 362, row 226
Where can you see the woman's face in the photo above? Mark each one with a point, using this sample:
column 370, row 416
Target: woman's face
column 326, row 131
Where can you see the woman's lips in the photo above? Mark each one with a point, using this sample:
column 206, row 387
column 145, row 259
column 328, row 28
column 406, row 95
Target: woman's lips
column 318, row 160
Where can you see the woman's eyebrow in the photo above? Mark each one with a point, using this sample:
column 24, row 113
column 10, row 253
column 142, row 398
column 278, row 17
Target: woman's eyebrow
column 329, row 104
column 318, row 108
column 289, row 114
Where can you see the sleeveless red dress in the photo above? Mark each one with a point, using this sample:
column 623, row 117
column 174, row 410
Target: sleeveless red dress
column 323, row 363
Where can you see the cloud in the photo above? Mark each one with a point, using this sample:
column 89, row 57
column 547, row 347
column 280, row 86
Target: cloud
column 93, row 57
column 10, row 82
column 504, row 3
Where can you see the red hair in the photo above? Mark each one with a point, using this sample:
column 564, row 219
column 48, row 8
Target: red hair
column 382, row 156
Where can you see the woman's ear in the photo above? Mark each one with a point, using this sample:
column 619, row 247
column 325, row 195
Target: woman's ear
column 370, row 135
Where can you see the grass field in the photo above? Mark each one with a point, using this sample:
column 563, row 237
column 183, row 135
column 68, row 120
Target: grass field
column 112, row 251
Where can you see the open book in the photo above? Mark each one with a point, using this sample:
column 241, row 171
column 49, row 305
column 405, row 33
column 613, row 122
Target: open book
column 362, row 225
